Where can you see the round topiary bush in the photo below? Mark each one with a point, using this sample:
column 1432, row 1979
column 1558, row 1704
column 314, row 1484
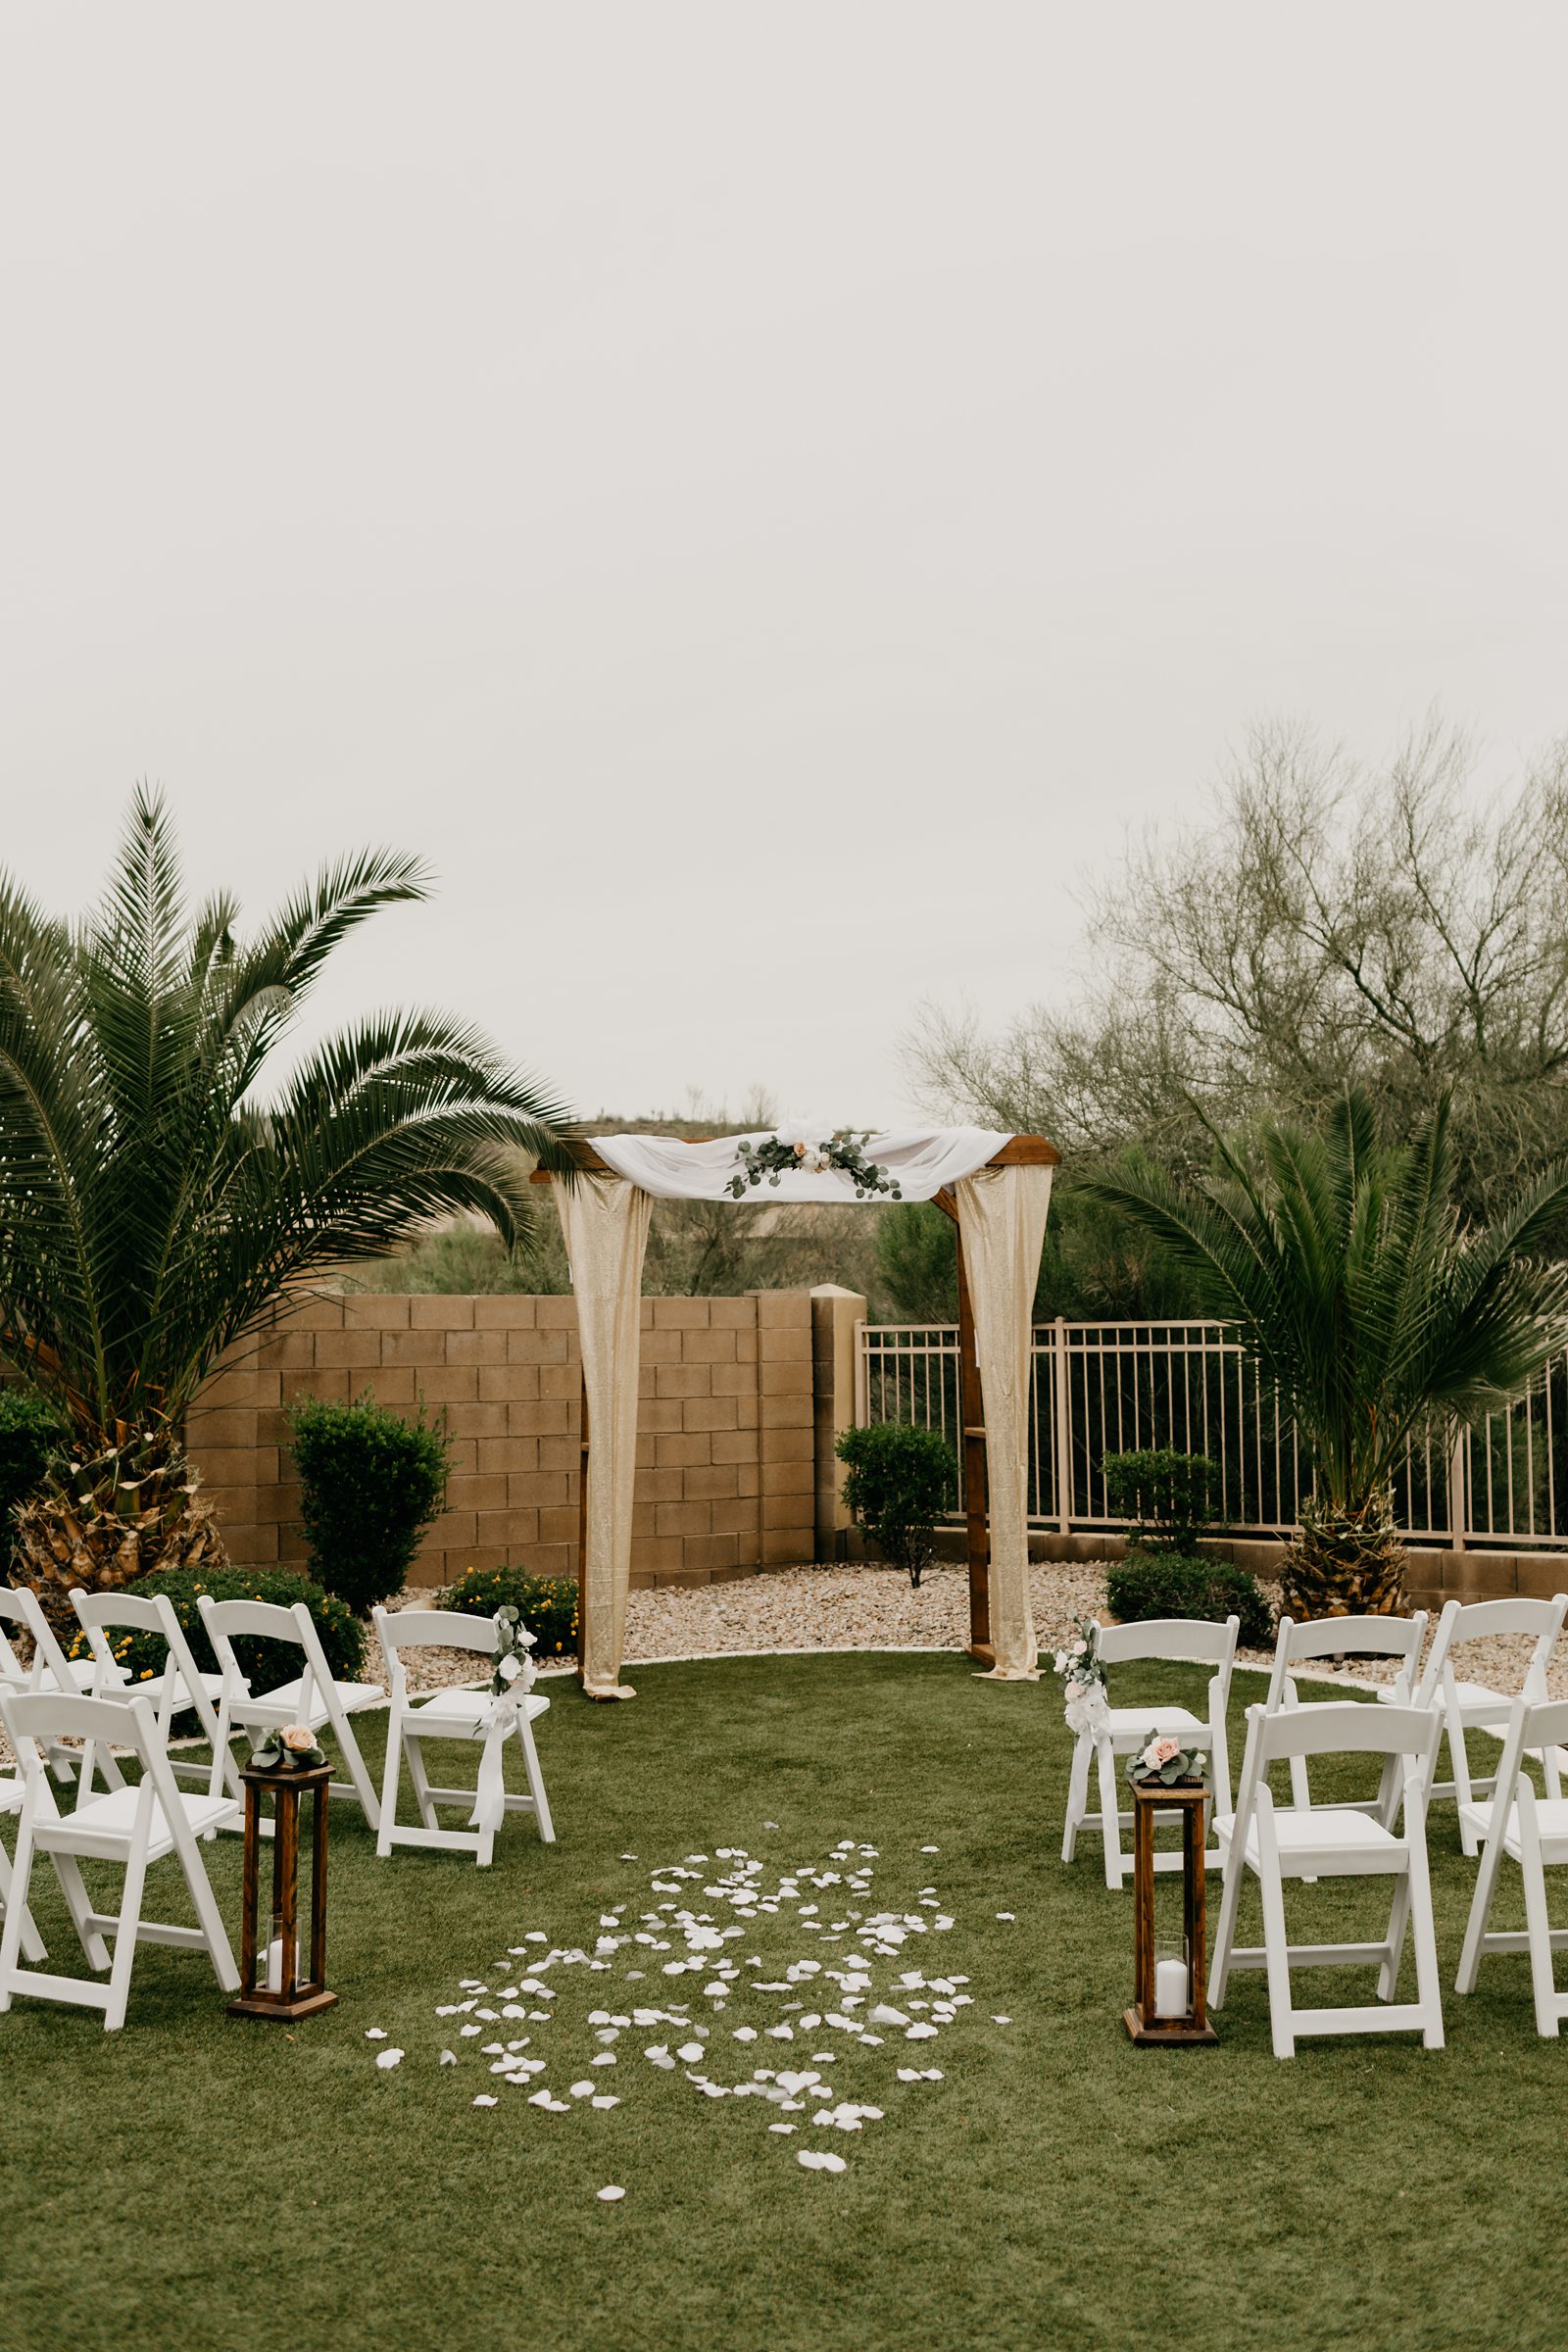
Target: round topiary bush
column 264, row 1662
column 372, row 1482
column 1163, row 1583
column 546, row 1604
column 900, row 1481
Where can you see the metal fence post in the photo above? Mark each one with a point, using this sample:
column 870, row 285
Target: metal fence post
column 1459, row 1488
column 1061, row 1421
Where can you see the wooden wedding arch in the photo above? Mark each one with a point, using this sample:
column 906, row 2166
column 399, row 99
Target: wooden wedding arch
column 1019, row 1151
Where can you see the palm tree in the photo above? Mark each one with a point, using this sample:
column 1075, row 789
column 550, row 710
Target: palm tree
column 156, row 1210
column 1370, row 1314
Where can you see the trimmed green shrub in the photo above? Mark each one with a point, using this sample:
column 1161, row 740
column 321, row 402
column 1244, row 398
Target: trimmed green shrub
column 1167, row 1495
column 30, row 1432
column 546, row 1604
column 372, row 1483
column 1165, row 1583
column 266, row 1662
column 901, row 1481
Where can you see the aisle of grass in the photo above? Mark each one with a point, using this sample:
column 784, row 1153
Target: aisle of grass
column 196, row 2182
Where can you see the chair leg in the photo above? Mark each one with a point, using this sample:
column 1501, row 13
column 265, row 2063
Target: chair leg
column 1399, row 1922
column 15, row 1911
column 1481, row 1902
column 79, row 1905
column 1469, row 1838
column 1276, row 1940
column 363, row 1788
column 536, row 1781
column 218, row 1949
column 1542, row 1983
column 419, row 1780
column 1110, row 1804
column 32, row 1943
column 125, row 1931
column 1428, row 1984
column 1225, row 1932
column 389, row 1784
column 1077, row 1794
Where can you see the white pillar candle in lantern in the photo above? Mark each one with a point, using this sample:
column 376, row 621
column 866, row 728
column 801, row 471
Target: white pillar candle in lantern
column 1172, row 1990
column 274, row 1965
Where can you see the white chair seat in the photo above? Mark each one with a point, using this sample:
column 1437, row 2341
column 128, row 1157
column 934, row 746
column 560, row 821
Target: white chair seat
column 155, row 1685
column 113, row 1819
column 464, row 1710
column 12, row 1793
column 1551, row 1819
column 1303, row 1832
column 1132, row 1726
column 285, row 1699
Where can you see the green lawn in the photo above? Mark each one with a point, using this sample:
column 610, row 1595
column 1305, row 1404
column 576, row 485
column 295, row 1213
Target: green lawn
column 205, row 2183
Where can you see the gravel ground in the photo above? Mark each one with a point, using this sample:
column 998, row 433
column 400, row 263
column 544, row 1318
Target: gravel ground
column 872, row 1608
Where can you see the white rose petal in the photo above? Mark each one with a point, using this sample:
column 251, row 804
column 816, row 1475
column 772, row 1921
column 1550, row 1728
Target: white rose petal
column 783, row 2127
column 582, row 2090
column 389, row 2058
column 375, row 2033
column 603, row 2098
column 817, row 2160
column 1002, row 2021
column 610, row 2195
column 484, row 2100
column 449, row 2058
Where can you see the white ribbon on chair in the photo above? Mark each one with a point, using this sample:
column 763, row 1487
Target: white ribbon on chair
column 490, row 1797
column 515, row 1672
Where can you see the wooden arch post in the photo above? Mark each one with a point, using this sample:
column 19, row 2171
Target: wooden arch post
column 1019, row 1151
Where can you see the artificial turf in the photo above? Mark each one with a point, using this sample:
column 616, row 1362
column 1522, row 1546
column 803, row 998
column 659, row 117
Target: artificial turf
column 202, row 2183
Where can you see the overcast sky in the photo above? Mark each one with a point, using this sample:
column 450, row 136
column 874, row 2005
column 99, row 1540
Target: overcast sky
column 761, row 497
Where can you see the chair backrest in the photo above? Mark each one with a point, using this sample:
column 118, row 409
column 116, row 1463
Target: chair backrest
column 1183, row 1638
column 150, row 1614
column 21, row 1605
column 1343, row 1728
column 1327, row 1636
column 1483, row 1619
column 12, row 1668
column 35, row 1719
column 224, row 1619
column 432, row 1629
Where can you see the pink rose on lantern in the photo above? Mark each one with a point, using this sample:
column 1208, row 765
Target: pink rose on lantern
column 298, row 1739
column 1161, row 1752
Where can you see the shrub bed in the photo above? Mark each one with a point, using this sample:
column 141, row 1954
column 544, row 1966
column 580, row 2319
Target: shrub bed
column 1165, row 1583
column 264, row 1662
column 546, row 1604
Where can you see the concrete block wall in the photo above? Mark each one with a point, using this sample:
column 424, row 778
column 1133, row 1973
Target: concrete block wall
column 725, row 1463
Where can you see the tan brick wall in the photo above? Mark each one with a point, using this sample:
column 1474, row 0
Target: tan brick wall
column 725, row 1465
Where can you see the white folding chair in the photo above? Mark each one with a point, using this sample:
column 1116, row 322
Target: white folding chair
column 1323, row 1842
column 1463, row 1706
column 178, row 1686
column 132, row 1827
column 1399, row 1637
column 1128, row 1727
column 313, row 1698
column 450, row 1714
column 1532, row 1831
column 51, row 1670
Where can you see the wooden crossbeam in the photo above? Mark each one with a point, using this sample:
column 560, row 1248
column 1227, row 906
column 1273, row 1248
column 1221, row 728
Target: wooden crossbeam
column 1019, row 1151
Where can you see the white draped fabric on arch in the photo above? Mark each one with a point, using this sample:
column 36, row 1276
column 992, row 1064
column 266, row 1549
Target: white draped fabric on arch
column 995, row 1187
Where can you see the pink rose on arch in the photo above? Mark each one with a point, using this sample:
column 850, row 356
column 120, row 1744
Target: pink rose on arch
column 1161, row 1752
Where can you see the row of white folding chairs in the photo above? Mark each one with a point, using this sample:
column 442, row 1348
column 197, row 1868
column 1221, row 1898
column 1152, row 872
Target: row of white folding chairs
column 44, row 1707
column 1359, row 1838
column 223, row 1702
column 1461, row 1706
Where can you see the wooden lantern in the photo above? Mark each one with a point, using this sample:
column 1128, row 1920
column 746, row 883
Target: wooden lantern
column 291, row 1996
column 1189, row 2028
